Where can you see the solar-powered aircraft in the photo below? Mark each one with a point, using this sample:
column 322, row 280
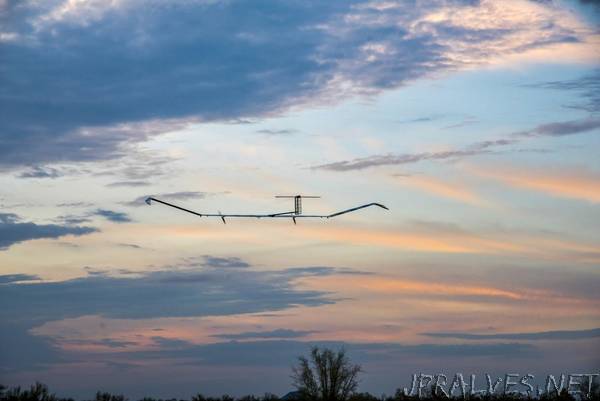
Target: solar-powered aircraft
column 295, row 214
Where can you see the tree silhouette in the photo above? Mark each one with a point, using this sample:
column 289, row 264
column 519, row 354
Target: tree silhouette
column 327, row 376
column 339, row 384
column 36, row 392
column 103, row 396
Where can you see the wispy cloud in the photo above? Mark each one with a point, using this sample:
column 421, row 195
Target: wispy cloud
column 103, row 342
column 133, row 184
column 478, row 148
column 543, row 335
column 277, row 333
column 419, row 120
column 440, row 237
column 277, row 132
column 450, row 190
column 463, row 123
column 40, row 172
column 588, row 87
column 187, row 291
column 13, row 230
column 563, row 128
column 126, row 245
column 393, row 160
column 13, row 278
column 72, row 219
column 574, row 184
column 75, row 204
column 433, row 289
column 429, row 237
column 221, row 262
column 111, row 215
column 278, row 353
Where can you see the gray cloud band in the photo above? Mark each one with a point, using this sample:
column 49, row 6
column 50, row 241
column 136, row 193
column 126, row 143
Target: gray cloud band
column 13, row 230
column 119, row 80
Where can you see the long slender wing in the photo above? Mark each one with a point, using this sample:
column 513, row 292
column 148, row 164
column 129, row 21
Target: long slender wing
column 357, row 208
column 291, row 215
column 151, row 199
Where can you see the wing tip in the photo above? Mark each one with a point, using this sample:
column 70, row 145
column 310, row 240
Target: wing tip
column 381, row 206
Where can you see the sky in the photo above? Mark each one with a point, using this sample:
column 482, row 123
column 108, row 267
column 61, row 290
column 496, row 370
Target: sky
column 475, row 122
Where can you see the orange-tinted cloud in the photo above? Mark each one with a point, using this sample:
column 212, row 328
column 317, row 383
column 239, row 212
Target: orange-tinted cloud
column 396, row 285
column 567, row 184
column 444, row 189
column 528, row 25
column 413, row 239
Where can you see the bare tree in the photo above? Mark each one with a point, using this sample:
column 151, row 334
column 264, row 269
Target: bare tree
column 326, row 376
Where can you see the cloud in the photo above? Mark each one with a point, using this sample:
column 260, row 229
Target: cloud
column 21, row 350
column 574, row 184
column 432, row 289
column 556, row 288
column 12, row 278
column 170, row 343
column 419, row 119
column 563, row 128
column 218, row 262
column 137, row 166
column 478, row 148
column 276, row 132
column 13, row 231
column 446, row 238
column 320, row 271
column 75, row 204
column 110, row 215
column 393, row 160
column 40, row 172
column 88, row 81
column 128, row 184
column 482, row 145
column 125, row 245
column 71, row 219
column 186, row 292
column 279, row 353
column 183, row 292
column 463, row 123
column 66, row 141
column 426, row 237
column 587, row 87
column 104, row 342
column 543, row 335
column 277, row 333
column 442, row 188
column 112, row 343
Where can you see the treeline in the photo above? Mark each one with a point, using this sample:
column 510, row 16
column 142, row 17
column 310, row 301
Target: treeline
column 40, row 392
